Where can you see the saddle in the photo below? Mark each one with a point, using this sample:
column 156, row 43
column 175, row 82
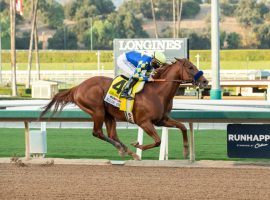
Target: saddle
column 113, row 95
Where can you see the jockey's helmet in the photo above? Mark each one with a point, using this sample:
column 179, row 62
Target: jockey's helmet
column 158, row 60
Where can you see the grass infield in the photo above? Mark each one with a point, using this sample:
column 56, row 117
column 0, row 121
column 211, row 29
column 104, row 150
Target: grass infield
column 241, row 59
column 79, row 143
column 62, row 66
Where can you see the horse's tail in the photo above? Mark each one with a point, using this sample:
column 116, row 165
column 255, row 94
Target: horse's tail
column 61, row 99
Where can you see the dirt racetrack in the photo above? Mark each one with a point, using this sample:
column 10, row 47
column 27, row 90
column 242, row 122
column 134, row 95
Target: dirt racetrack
column 123, row 182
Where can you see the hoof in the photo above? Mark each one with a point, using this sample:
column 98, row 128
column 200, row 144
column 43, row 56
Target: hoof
column 136, row 157
column 122, row 152
column 135, row 144
column 185, row 153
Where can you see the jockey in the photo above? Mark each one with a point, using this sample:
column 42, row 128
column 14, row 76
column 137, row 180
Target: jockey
column 139, row 67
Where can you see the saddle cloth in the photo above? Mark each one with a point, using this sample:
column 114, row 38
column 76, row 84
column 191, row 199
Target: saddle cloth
column 113, row 95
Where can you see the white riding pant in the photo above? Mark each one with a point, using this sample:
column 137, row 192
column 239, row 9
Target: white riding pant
column 127, row 67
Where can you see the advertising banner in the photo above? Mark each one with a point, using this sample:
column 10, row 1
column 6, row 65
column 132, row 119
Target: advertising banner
column 248, row 140
column 170, row 47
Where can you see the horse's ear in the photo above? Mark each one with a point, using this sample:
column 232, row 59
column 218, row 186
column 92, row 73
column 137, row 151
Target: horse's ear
column 178, row 59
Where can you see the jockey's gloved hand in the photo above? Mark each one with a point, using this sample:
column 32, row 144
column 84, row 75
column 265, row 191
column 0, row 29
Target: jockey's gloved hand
column 154, row 72
column 136, row 78
column 150, row 79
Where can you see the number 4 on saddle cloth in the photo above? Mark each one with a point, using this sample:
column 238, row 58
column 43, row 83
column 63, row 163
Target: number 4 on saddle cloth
column 113, row 95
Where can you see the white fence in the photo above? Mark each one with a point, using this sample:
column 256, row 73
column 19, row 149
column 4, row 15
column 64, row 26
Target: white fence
column 65, row 76
column 77, row 76
column 220, row 105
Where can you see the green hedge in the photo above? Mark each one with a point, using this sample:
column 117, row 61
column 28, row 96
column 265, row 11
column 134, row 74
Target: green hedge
column 48, row 56
column 233, row 55
column 5, row 90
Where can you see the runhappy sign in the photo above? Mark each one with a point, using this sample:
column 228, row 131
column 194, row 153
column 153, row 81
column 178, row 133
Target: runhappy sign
column 248, row 141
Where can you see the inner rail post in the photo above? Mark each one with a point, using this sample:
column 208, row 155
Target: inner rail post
column 27, row 140
column 191, row 143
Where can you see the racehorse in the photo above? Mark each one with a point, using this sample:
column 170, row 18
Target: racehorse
column 151, row 107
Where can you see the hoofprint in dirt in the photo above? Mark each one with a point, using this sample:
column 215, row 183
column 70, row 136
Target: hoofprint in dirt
column 124, row 182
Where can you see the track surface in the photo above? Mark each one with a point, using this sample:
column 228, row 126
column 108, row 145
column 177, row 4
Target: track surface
column 122, row 182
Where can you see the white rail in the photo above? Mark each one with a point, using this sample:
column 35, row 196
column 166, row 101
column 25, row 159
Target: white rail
column 77, row 76
column 218, row 105
column 177, row 104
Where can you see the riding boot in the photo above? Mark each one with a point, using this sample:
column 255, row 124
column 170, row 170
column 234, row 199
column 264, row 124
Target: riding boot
column 131, row 82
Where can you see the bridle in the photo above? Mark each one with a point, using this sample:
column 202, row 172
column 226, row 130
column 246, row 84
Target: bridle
column 192, row 80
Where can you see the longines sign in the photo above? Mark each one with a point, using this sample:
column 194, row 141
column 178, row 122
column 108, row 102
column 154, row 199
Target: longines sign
column 171, row 47
column 163, row 45
column 248, row 141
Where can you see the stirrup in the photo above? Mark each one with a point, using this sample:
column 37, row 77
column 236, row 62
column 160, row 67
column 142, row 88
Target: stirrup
column 126, row 96
column 129, row 97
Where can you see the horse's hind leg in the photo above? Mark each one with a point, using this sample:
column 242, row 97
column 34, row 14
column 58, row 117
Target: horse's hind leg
column 168, row 122
column 98, row 117
column 95, row 108
column 111, row 130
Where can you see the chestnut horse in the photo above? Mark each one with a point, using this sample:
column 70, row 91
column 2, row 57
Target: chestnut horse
column 151, row 107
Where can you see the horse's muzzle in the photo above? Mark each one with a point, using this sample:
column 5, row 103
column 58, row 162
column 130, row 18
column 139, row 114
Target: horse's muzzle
column 202, row 82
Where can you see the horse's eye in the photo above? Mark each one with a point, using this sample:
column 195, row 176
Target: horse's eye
column 190, row 68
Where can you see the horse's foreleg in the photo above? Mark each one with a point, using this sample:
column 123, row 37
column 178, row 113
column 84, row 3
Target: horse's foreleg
column 111, row 130
column 149, row 128
column 168, row 122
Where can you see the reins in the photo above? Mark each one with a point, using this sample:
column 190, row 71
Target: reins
column 193, row 81
column 178, row 81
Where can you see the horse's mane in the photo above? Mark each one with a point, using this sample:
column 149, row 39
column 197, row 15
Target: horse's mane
column 164, row 68
column 161, row 70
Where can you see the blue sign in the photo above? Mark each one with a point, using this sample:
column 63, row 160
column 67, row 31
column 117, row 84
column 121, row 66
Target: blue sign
column 248, row 141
